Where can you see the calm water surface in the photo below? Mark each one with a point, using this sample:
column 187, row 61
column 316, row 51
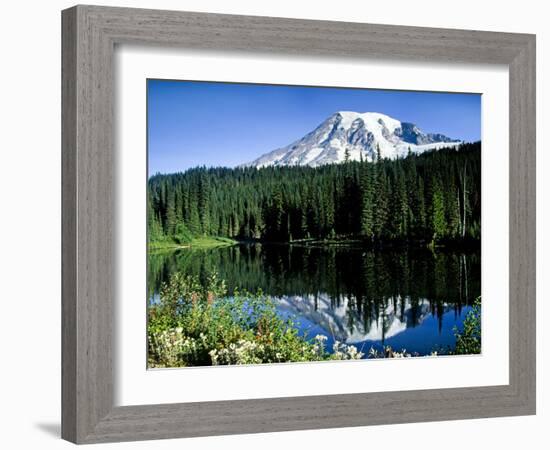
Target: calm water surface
column 408, row 299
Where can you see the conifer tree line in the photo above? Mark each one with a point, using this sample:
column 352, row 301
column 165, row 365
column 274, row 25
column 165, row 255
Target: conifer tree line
column 433, row 196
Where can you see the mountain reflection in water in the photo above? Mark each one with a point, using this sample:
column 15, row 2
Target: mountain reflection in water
column 407, row 299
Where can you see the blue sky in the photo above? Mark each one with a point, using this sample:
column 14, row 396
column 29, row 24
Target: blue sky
column 223, row 124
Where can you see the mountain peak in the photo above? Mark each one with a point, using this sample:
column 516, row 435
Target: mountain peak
column 355, row 136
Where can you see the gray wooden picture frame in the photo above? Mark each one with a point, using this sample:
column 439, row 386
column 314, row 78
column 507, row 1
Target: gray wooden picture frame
column 90, row 34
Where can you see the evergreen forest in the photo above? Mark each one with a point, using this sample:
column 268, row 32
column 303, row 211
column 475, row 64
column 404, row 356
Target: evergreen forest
column 433, row 197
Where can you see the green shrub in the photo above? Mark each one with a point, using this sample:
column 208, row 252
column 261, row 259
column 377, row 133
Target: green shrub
column 468, row 341
column 182, row 235
column 197, row 324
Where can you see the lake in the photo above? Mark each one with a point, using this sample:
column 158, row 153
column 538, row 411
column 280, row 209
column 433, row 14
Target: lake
column 407, row 299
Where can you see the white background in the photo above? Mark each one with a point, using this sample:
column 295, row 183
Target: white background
column 134, row 385
column 30, row 223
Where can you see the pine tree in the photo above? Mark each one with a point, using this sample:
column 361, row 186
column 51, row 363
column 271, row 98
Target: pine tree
column 419, row 206
column 194, row 224
column 381, row 198
column 171, row 220
column 465, row 206
column 437, row 210
column 203, row 203
column 274, row 216
column 400, row 205
column 452, row 210
column 154, row 228
column 367, row 199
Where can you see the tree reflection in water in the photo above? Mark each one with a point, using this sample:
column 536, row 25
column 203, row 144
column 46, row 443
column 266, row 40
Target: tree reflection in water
column 408, row 298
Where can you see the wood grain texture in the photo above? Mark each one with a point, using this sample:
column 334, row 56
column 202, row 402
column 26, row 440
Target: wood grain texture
column 89, row 36
column 68, row 226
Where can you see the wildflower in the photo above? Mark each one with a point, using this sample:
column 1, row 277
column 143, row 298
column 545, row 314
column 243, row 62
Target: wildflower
column 214, row 357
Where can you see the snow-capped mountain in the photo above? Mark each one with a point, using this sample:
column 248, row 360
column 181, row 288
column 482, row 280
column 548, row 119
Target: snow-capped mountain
column 354, row 136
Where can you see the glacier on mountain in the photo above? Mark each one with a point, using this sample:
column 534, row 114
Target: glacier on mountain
column 353, row 136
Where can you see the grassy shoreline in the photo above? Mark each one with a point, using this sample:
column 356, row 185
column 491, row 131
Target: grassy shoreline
column 197, row 242
column 208, row 242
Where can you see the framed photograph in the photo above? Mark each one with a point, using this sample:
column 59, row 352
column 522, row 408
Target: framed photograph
column 277, row 224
